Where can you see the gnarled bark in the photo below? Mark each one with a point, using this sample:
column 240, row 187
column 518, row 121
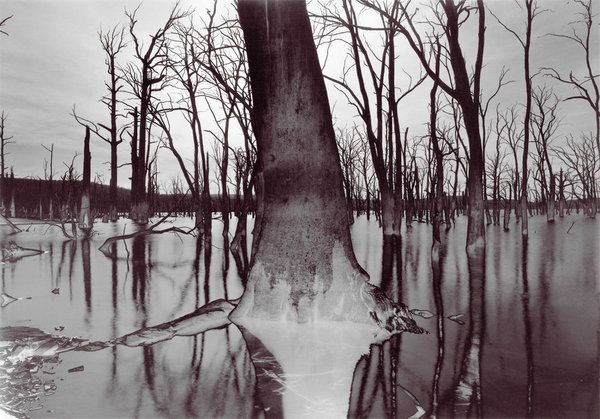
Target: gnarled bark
column 303, row 267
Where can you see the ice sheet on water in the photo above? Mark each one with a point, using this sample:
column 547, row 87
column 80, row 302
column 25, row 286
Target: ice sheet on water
column 27, row 356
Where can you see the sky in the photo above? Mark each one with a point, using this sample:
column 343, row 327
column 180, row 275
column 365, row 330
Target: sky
column 52, row 60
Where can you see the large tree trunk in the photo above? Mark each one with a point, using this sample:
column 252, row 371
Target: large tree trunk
column 303, row 266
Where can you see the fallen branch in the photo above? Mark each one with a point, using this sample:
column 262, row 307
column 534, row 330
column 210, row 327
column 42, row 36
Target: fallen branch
column 10, row 223
column 107, row 251
column 14, row 252
column 213, row 315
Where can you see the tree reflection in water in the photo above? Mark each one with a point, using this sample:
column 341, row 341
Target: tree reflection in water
column 87, row 278
column 437, row 263
column 206, row 375
column 535, row 354
column 468, row 393
column 379, row 374
column 139, row 273
column 525, row 296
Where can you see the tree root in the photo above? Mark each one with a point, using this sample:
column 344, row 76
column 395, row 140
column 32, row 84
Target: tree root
column 213, row 315
column 388, row 315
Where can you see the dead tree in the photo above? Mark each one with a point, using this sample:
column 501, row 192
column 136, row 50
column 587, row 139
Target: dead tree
column 223, row 59
column 532, row 11
column 348, row 147
column 112, row 43
column 581, row 158
column 86, row 221
column 2, row 23
column 145, row 79
column 486, row 127
column 544, row 122
column 48, row 175
column 495, row 166
column 374, row 71
column 513, row 136
column 437, row 187
column 4, row 141
column 465, row 90
column 585, row 86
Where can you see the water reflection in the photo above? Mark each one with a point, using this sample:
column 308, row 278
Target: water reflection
column 468, row 393
column 87, row 278
column 437, row 264
column 139, row 271
column 525, row 297
column 529, row 345
column 269, row 376
column 391, row 267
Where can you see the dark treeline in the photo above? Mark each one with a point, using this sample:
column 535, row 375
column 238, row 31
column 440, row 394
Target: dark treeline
column 28, row 198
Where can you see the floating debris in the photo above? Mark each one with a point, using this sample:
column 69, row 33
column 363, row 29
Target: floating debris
column 7, row 299
column 426, row 314
column 14, row 252
column 94, row 346
column 457, row 318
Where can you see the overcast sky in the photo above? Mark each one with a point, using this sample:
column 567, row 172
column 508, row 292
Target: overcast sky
column 52, row 60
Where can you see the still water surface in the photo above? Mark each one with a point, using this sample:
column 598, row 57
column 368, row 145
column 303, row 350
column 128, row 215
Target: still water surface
column 520, row 339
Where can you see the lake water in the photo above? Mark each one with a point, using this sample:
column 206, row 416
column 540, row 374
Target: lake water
column 514, row 335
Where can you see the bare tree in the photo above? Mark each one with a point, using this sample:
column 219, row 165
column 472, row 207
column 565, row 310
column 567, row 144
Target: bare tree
column 48, row 175
column 495, row 166
column 585, row 86
column 4, row 141
column 86, row 221
column 145, row 79
column 532, row 11
column 464, row 89
column 513, row 136
column 437, row 186
column 2, row 23
column 113, row 43
column 374, row 71
column 581, row 158
column 544, row 122
column 187, row 79
column 348, row 147
column 486, row 127
column 223, row 58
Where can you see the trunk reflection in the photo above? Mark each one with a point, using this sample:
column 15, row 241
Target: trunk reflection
column 87, row 277
column 527, row 325
column 437, row 262
column 468, row 392
column 535, row 353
